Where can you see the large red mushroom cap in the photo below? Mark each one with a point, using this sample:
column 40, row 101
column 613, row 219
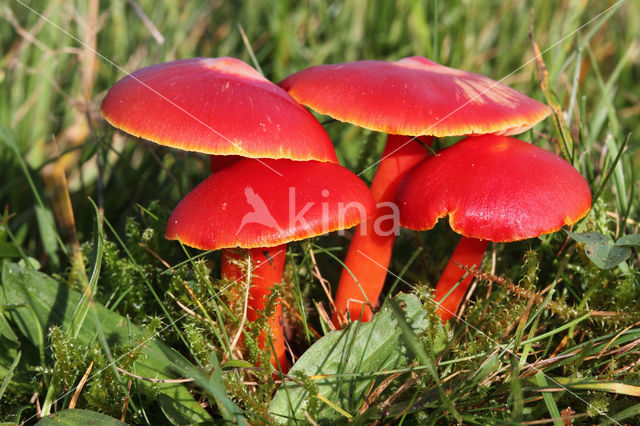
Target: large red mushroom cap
column 218, row 106
column 494, row 188
column 248, row 205
column 414, row 96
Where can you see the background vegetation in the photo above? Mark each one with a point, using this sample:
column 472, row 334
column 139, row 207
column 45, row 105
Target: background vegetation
column 547, row 334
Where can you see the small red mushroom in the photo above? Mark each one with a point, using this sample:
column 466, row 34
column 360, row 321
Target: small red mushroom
column 251, row 206
column 493, row 188
column 414, row 97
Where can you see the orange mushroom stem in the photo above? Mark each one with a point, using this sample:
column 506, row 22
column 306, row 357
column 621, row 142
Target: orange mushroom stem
column 369, row 253
column 453, row 283
column 267, row 266
column 266, row 269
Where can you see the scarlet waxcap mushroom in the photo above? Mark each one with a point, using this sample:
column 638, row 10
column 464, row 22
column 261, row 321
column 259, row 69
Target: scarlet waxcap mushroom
column 219, row 106
column 414, row 96
column 248, row 205
column 493, row 188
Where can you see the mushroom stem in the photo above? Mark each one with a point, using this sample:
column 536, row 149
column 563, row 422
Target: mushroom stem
column 370, row 250
column 469, row 252
column 266, row 271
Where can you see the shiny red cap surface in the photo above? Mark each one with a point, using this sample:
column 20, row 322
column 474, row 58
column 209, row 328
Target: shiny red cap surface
column 414, row 96
column 494, row 188
column 249, row 205
column 216, row 106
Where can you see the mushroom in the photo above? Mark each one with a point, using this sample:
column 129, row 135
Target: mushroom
column 417, row 98
column 219, row 106
column 251, row 206
column 493, row 188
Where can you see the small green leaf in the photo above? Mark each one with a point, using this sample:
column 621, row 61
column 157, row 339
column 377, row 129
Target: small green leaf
column 9, row 375
column 629, row 240
column 601, row 250
column 606, row 256
column 589, row 237
column 30, row 262
column 237, row 363
column 340, row 367
column 8, row 250
column 79, row 417
column 10, row 345
column 48, row 233
column 24, row 318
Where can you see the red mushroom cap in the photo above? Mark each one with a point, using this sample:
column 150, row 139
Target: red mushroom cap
column 494, row 188
column 414, row 96
column 248, row 205
column 216, row 106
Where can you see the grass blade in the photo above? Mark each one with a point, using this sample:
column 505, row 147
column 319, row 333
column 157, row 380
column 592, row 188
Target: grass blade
column 418, row 350
column 90, row 284
column 9, row 375
column 548, row 399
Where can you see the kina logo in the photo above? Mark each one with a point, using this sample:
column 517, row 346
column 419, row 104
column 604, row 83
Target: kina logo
column 260, row 214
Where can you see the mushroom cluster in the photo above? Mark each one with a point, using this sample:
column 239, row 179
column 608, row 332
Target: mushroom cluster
column 413, row 100
column 225, row 108
column 275, row 177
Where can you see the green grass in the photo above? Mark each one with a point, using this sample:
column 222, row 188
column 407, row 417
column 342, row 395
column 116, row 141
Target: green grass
column 547, row 333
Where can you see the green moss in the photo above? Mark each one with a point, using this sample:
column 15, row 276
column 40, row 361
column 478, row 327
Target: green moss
column 69, row 358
